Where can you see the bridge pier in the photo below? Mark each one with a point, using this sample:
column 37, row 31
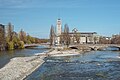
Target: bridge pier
column 95, row 49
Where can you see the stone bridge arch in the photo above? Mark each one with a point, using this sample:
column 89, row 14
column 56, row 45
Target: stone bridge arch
column 103, row 47
column 114, row 46
column 94, row 46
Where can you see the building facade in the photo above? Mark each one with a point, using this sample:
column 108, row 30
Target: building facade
column 83, row 37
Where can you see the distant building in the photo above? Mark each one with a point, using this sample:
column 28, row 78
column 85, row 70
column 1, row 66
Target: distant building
column 85, row 37
column 75, row 35
column 2, row 37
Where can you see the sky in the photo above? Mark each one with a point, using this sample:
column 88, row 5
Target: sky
column 36, row 16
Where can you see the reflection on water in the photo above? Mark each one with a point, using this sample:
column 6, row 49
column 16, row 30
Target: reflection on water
column 5, row 56
column 99, row 65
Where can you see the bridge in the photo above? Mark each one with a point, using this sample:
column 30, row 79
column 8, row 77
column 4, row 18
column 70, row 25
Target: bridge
column 94, row 46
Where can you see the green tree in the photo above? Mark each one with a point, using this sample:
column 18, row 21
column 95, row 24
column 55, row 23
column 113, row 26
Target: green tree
column 30, row 39
column 21, row 45
column 10, row 45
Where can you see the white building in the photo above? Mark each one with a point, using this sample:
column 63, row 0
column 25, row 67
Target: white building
column 84, row 37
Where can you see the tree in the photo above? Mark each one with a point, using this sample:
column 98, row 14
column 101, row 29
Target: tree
column 30, row 39
column 10, row 45
column 104, row 40
column 66, row 36
column 95, row 40
column 115, row 39
column 15, row 40
column 52, row 35
column 21, row 45
column 22, row 36
column 2, row 37
column 76, row 36
column 10, row 32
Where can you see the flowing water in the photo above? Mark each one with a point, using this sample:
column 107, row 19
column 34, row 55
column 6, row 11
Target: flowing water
column 95, row 65
column 5, row 56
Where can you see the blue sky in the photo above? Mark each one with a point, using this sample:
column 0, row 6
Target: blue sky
column 36, row 16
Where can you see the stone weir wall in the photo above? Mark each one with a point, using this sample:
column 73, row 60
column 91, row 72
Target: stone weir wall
column 18, row 68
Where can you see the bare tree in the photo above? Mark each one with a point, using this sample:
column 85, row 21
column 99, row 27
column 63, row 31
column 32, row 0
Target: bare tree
column 104, row 40
column 115, row 39
column 10, row 31
column 95, row 40
column 66, row 35
column 52, row 35
column 76, row 36
column 22, row 36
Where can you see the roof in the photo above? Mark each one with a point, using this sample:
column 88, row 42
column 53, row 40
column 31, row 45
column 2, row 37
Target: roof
column 84, row 33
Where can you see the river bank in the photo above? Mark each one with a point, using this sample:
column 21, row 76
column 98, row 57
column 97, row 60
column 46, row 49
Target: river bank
column 20, row 67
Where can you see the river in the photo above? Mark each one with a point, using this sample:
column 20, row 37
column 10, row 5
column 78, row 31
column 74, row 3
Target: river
column 5, row 56
column 94, row 65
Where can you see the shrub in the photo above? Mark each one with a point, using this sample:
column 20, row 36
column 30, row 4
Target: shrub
column 28, row 42
column 10, row 45
column 21, row 45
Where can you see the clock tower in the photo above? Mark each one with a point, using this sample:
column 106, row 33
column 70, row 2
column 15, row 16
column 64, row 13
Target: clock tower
column 59, row 30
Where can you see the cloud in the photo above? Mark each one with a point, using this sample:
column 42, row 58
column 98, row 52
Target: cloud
column 12, row 3
column 38, row 3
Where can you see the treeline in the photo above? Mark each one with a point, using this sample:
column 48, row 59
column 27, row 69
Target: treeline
column 115, row 39
column 16, row 40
